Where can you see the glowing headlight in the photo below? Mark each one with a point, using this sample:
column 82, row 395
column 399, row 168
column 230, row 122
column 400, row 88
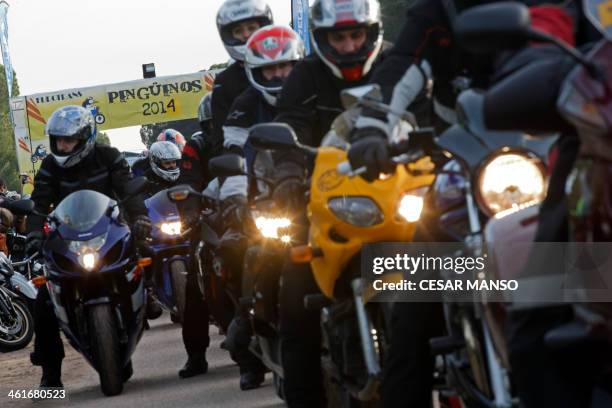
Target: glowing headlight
column 88, row 260
column 359, row 211
column 511, row 181
column 269, row 226
column 93, row 245
column 171, row 228
column 411, row 205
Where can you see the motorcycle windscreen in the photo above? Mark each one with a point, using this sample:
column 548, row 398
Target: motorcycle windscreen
column 81, row 210
column 160, row 206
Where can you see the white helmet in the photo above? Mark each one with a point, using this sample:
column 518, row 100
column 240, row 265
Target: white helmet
column 336, row 15
column 235, row 11
column 271, row 45
column 73, row 122
column 161, row 152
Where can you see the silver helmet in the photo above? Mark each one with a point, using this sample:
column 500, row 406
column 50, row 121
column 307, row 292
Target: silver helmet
column 162, row 152
column 235, row 11
column 74, row 122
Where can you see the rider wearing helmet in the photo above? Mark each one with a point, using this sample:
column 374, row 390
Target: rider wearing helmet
column 194, row 171
column 164, row 158
column 346, row 38
column 143, row 165
column 236, row 21
column 271, row 53
column 76, row 162
column 427, row 50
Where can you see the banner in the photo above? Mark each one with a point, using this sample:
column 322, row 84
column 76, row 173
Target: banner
column 133, row 103
column 299, row 11
column 6, row 58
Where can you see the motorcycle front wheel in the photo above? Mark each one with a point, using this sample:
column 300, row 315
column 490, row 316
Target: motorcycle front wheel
column 105, row 348
column 16, row 333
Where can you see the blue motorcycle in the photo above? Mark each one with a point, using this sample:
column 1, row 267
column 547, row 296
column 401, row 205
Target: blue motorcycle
column 94, row 277
column 170, row 252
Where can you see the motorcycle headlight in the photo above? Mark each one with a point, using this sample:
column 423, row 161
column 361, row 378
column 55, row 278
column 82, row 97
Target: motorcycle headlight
column 88, row 260
column 270, row 226
column 359, row 211
column 87, row 251
column 509, row 182
column 171, row 228
column 411, row 205
column 92, row 245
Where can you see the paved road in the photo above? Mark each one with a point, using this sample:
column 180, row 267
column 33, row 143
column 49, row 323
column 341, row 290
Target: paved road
column 155, row 382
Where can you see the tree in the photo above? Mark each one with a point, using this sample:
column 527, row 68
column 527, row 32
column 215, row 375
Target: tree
column 393, row 15
column 9, row 169
column 103, row 138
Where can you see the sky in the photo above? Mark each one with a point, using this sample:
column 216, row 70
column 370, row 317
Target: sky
column 61, row 44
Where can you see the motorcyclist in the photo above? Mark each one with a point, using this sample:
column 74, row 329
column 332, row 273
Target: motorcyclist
column 271, row 53
column 347, row 38
column 236, row 21
column 426, row 49
column 77, row 162
column 194, row 171
column 164, row 171
column 141, row 166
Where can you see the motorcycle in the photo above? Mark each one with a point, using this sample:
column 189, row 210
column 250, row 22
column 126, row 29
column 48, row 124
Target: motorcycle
column 170, row 247
column 213, row 274
column 17, row 296
column 94, row 276
column 271, row 233
column 583, row 101
column 345, row 213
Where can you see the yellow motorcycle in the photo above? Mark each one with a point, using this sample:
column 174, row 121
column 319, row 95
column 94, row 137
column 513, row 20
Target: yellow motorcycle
column 346, row 212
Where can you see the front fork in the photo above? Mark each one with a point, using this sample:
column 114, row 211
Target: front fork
column 368, row 337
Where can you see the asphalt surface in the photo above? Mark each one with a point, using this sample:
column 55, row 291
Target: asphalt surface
column 155, row 382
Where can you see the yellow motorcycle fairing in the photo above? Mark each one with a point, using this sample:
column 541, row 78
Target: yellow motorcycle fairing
column 335, row 253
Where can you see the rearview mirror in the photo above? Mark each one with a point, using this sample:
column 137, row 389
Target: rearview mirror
column 181, row 192
column 352, row 96
column 227, row 165
column 494, row 27
column 19, row 207
column 274, row 136
column 136, row 185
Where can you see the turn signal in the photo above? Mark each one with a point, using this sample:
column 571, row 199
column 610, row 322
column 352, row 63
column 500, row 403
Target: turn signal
column 142, row 262
column 301, row 254
column 39, row 281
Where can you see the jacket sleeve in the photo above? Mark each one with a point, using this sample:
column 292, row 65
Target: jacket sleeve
column 121, row 174
column 220, row 106
column 405, row 70
column 43, row 195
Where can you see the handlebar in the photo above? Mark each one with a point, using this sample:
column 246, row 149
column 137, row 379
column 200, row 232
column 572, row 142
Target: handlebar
column 401, row 153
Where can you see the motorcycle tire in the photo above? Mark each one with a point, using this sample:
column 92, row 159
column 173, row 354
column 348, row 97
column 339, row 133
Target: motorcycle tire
column 178, row 272
column 25, row 331
column 105, row 348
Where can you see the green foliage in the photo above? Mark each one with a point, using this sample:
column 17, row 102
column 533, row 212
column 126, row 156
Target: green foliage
column 102, row 137
column 218, row 66
column 393, row 16
column 9, row 170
